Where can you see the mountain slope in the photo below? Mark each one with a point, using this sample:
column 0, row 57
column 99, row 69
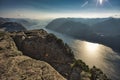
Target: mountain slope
column 2, row 20
column 12, row 26
column 109, row 27
column 72, row 28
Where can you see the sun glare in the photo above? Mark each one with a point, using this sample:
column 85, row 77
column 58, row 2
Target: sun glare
column 91, row 47
column 101, row 2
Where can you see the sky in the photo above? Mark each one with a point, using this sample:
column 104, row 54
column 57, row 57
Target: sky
column 42, row 9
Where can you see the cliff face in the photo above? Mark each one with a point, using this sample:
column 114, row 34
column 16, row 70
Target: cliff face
column 40, row 45
column 15, row 66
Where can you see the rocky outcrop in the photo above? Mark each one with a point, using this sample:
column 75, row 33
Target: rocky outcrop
column 12, row 26
column 15, row 66
column 40, row 45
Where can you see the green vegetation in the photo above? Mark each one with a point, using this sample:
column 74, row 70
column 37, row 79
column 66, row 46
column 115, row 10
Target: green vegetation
column 96, row 73
column 81, row 64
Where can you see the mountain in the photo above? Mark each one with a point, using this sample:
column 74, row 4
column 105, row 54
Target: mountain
column 110, row 27
column 45, row 49
column 12, row 26
column 26, row 22
column 2, row 20
column 101, row 26
column 72, row 28
column 88, row 21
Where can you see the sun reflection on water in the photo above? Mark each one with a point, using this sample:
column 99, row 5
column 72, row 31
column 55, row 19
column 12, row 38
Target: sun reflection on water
column 97, row 55
column 91, row 53
column 91, row 47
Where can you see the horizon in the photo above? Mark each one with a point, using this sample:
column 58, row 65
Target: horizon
column 61, row 18
column 46, row 9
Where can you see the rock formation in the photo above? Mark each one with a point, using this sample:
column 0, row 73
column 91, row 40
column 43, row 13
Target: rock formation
column 15, row 66
column 40, row 45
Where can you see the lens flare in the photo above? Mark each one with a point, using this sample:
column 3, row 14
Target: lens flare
column 101, row 1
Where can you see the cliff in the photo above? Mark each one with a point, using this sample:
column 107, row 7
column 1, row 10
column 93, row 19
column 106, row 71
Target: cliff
column 40, row 45
column 15, row 66
column 50, row 58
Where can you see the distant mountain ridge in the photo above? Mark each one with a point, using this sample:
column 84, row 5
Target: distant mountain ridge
column 2, row 20
column 109, row 27
column 69, row 27
column 106, row 26
column 88, row 21
column 28, row 23
column 23, row 21
column 12, row 26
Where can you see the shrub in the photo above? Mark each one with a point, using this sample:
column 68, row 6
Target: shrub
column 82, row 65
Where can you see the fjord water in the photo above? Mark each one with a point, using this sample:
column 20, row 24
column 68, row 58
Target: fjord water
column 94, row 54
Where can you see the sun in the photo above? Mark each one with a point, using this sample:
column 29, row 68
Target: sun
column 100, row 2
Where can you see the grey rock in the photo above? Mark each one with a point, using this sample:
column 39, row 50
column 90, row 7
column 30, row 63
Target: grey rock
column 15, row 66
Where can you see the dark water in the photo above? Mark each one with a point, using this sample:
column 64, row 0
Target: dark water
column 92, row 54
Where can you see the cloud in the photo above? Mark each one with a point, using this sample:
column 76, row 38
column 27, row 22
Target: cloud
column 83, row 5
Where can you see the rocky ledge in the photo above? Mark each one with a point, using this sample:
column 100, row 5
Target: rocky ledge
column 15, row 66
column 41, row 47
